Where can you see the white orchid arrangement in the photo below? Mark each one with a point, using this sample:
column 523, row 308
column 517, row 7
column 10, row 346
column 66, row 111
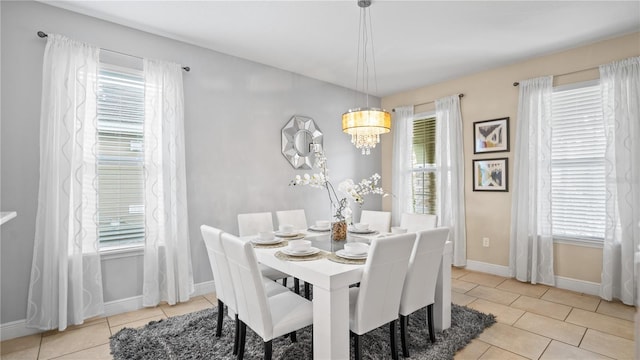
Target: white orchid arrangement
column 348, row 187
column 364, row 187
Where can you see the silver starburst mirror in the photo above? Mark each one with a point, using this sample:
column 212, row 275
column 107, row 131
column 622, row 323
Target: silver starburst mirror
column 300, row 138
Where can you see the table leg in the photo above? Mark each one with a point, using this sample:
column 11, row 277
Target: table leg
column 330, row 323
column 442, row 305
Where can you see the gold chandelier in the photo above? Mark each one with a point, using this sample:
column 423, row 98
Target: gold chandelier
column 365, row 124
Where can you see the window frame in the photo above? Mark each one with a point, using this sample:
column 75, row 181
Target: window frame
column 434, row 169
column 593, row 242
column 119, row 248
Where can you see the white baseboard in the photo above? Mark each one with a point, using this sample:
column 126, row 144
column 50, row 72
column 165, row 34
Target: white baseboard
column 488, row 268
column 18, row 328
column 581, row 286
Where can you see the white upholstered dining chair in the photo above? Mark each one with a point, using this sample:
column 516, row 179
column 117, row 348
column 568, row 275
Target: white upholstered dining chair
column 420, row 284
column 222, row 280
column 377, row 300
column 297, row 218
column 418, row 222
column 253, row 223
column 268, row 317
column 377, row 220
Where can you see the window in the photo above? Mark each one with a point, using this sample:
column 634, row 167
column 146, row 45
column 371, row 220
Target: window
column 423, row 180
column 120, row 147
column 577, row 163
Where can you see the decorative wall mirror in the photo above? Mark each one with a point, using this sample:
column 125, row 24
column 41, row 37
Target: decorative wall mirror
column 299, row 138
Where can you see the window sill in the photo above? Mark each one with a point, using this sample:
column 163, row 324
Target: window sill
column 598, row 244
column 121, row 252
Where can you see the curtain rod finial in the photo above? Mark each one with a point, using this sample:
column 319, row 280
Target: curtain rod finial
column 42, row 34
column 516, row 83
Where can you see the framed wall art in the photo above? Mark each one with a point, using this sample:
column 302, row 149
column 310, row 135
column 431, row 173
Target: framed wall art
column 491, row 174
column 491, row 136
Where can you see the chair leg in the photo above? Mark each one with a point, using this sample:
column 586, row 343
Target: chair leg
column 293, row 336
column 220, row 318
column 403, row 334
column 236, row 339
column 243, row 335
column 392, row 335
column 284, row 282
column 267, row 350
column 307, row 291
column 432, row 334
column 296, row 285
column 357, row 346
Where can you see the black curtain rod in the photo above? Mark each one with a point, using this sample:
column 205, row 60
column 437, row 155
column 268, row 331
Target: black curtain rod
column 429, row 102
column 567, row 73
column 43, row 35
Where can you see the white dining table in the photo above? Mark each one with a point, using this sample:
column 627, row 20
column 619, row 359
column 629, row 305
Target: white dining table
column 331, row 282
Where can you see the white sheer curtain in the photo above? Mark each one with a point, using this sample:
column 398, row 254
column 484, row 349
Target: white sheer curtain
column 66, row 282
column 531, row 242
column 401, row 166
column 450, row 164
column 620, row 86
column 167, row 258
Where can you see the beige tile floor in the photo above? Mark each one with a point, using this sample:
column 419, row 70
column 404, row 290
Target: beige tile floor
column 540, row 322
column 534, row 322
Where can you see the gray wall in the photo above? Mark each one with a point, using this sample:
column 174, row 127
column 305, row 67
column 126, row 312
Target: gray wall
column 234, row 112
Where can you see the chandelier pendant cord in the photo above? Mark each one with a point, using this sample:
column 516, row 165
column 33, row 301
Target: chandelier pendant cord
column 360, row 42
column 365, row 123
column 365, row 63
column 373, row 60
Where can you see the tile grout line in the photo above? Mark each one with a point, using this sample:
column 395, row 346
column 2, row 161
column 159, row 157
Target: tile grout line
column 520, row 317
column 39, row 347
column 484, row 352
column 545, row 348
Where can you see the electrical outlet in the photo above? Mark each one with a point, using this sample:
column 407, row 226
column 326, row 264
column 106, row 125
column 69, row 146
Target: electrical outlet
column 485, row 241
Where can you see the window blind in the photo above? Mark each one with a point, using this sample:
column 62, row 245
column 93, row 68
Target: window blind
column 120, row 156
column 577, row 162
column 424, row 166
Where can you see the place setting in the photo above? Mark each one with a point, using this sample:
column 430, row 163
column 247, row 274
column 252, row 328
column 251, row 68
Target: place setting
column 353, row 253
column 267, row 240
column 299, row 250
column 287, row 232
column 321, row 226
column 362, row 229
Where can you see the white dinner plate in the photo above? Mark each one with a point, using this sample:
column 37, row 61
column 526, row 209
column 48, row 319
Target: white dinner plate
column 368, row 231
column 259, row 241
column 290, row 252
column 315, row 228
column 347, row 255
column 286, row 234
column 296, row 237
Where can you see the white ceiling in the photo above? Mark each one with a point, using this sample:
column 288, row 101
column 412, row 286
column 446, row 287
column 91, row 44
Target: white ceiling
column 417, row 43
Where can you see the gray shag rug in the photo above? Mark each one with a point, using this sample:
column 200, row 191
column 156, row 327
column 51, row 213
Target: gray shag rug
column 192, row 336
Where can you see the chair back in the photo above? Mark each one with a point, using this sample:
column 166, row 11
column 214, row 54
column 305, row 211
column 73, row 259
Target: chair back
column 420, row 284
column 382, row 280
column 251, row 297
column 219, row 266
column 297, row 218
column 253, row 223
column 418, row 222
column 377, row 220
